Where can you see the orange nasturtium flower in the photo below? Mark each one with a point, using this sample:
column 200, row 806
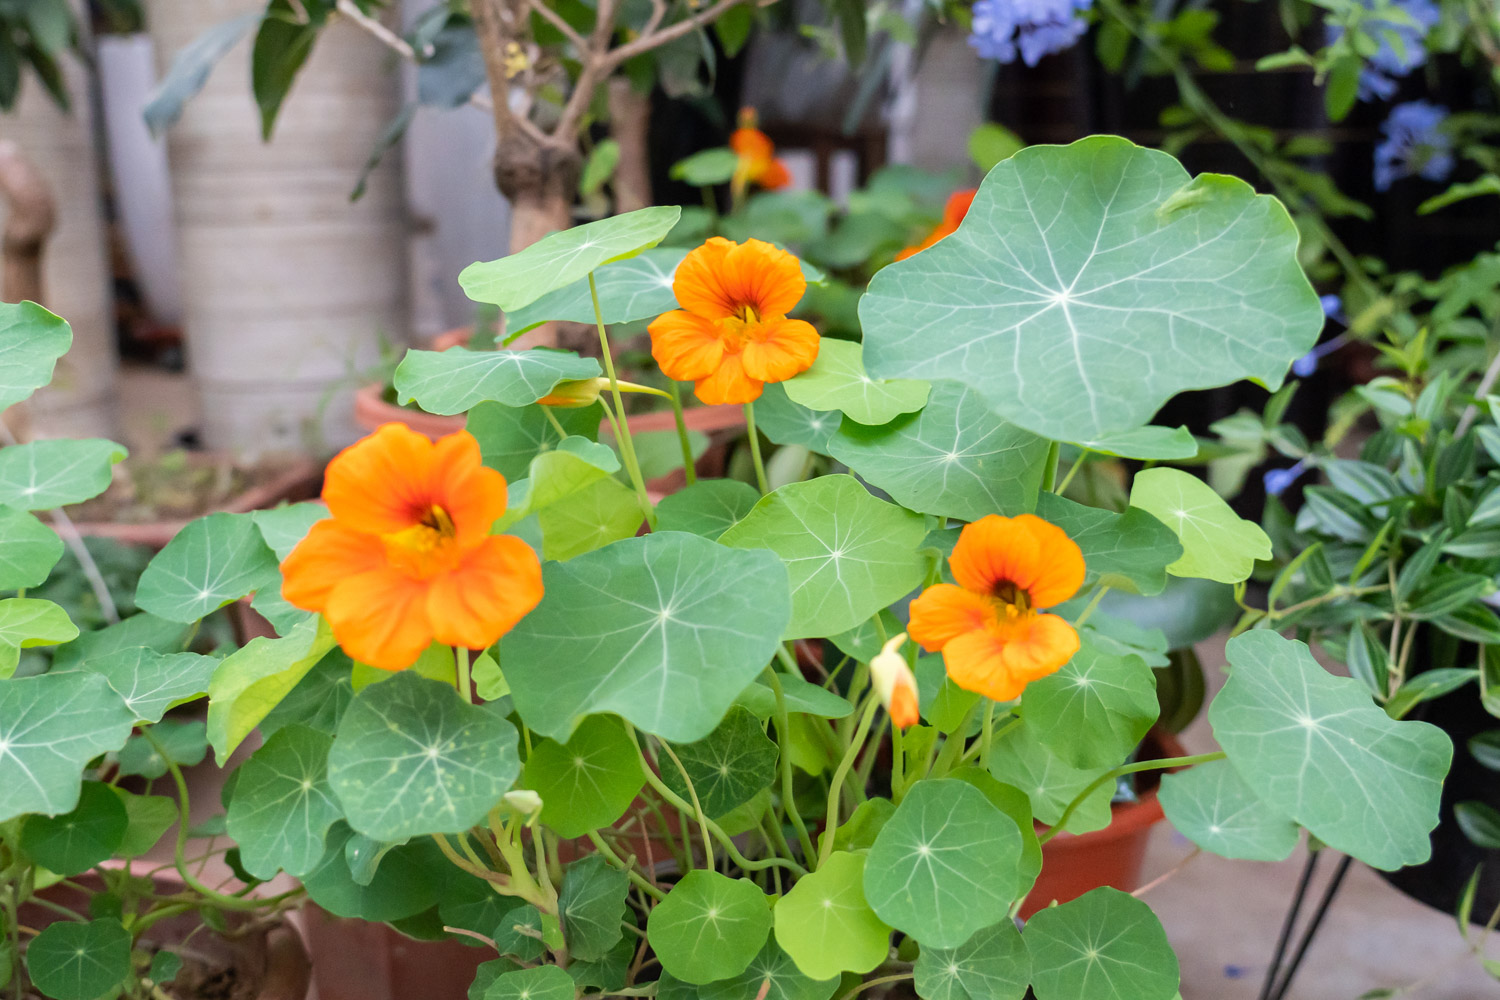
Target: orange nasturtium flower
column 407, row 557
column 755, row 154
column 731, row 335
column 991, row 630
column 953, row 214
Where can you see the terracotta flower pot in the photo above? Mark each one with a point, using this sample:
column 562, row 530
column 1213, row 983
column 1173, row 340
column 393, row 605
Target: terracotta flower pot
column 355, row 960
column 1073, row 864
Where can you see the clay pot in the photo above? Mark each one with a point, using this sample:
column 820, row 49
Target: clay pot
column 1073, row 864
column 356, row 960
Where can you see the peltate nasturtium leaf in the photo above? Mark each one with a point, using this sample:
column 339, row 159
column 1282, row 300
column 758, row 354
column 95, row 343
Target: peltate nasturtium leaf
column 457, row 379
column 592, row 904
column 149, row 818
column 80, row 839
column 629, row 290
column 1149, row 442
column 41, row 475
column 180, row 742
column 1015, row 804
column 28, row 550
column 137, row 630
column 562, row 258
column 510, row 437
column 786, row 422
column 604, row 511
column 825, row 924
column 727, row 767
column 253, row 680
column 78, row 961
column 945, row 865
column 588, row 782
column 1212, row 806
column 1217, row 544
column 406, row 883
column 1315, row 749
column 283, row 527
column 50, row 727
column 1104, row 945
column 837, row 381
column 1090, row 283
column 849, row 554
column 1128, row 551
column 214, row 560
column 992, row 965
column 663, row 630
column 954, row 458
column 709, row 927
column 412, row 758
column 1020, row 759
column 545, row 982
column 26, row 622
column 283, row 805
column 1093, row 711
column 774, row 970
column 706, row 508
column 31, row 341
column 152, row 682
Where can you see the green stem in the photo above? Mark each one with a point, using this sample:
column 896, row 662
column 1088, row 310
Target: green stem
column 1088, row 609
column 1120, row 772
column 898, row 762
column 702, row 817
column 636, row 879
column 987, row 734
column 689, row 469
column 836, row 785
column 627, row 446
column 465, row 684
column 953, row 745
column 760, row 466
column 1049, row 468
column 784, row 745
column 871, row 984
column 562, row 434
column 1078, row 463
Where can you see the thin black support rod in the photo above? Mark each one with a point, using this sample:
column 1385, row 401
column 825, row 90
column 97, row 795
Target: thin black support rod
column 1288, row 924
column 1312, row 927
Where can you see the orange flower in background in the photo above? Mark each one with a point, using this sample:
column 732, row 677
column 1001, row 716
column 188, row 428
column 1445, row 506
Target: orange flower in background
column 756, row 155
column 953, row 214
column 407, row 557
column 731, row 335
column 990, row 628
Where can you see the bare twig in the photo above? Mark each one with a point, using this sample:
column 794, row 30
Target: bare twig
column 557, row 21
column 384, row 35
column 646, row 42
column 1169, row 873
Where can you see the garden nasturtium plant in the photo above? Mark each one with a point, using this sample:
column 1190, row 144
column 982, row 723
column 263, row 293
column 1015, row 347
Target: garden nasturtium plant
column 592, row 729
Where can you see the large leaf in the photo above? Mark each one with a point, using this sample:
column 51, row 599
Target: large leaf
column 1021, row 759
column 1314, row 748
column 28, row 550
column 945, row 865
column 562, row 258
column 457, row 379
column 31, row 341
column 786, row 422
column 50, row 727
column 1104, row 945
column 283, row 805
column 592, row 905
column 1090, row 283
column 663, row 630
column 955, row 458
column 152, row 682
column 1212, row 806
column 412, row 758
column 80, row 961
column 629, row 290
column 991, row 965
column 728, row 767
column 46, row 474
column 1217, row 544
column 256, row 677
column 1093, row 711
column 709, row 927
column 214, row 560
column 848, row 553
column 1128, row 551
column 707, row 508
column 825, row 924
column 78, row 840
column 837, row 381
column 26, row 622
column 588, row 782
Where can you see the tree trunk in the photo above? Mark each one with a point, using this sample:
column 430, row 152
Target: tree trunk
column 630, row 124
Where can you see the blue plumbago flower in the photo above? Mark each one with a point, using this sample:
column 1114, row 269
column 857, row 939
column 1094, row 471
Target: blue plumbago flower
column 1415, row 144
column 1333, row 308
column 1035, row 28
column 1378, row 80
column 1278, row 480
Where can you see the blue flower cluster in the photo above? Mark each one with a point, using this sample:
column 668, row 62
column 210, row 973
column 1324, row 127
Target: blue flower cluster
column 1414, row 145
column 1333, row 308
column 1379, row 79
column 1034, row 28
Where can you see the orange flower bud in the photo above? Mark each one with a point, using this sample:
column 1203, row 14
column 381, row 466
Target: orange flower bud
column 895, row 683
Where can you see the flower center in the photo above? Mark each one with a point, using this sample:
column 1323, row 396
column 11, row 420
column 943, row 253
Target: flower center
column 425, row 548
column 1013, row 612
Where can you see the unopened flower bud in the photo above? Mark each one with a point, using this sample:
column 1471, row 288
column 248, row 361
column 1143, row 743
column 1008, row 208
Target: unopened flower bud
column 895, row 683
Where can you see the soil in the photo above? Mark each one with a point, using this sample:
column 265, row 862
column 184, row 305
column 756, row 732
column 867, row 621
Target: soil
column 179, row 485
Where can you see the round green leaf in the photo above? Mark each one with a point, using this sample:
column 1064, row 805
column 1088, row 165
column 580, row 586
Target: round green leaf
column 41, row 475
column 78, row 840
column 1314, row 748
column 214, row 560
column 317, row 701
column 774, row 971
column 283, row 804
column 663, row 630
column 1217, row 544
column 992, row 965
column 629, row 290
column 588, row 782
column 26, row 622
column 78, row 961
column 412, row 758
column 1015, row 804
column 954, row 458
column 50, row 727
column 406, row 882
column 454, row 380
column 1121, row 281
column 545, row 982
column 786, row 422
column 709, row 927
column 837, row 381
column 849, row 554
column 149, row 818
column 1104, row 945
column 592, row 904
column 152, row 682
column 1128, row 551
column 1019, row 758
column 28, row 550
column 283, row 527
column 825, row 925
column 604, row 511
column 31, row 341
column 1212, row 806
column 946, row 865
column 1093, row 711
column 728, row 767
column 707, row 508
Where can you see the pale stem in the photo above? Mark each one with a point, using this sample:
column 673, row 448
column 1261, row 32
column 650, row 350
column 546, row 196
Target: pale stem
column 784, row 744
column 702, row 817
column 1120, row 772
column 465, row 685
column 836, row 786
column 627, row 446
column 688, row 467
column 760, row 466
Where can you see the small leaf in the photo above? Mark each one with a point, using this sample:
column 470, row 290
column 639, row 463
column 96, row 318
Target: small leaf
column 1210, row 805
column 709, row 927
column 78, row 961
column 458, row 379
column 592, row 904
column 190, row 69
column 1104, row 944
column 629, row 290
column 26, row 622
column 181, row 743
column 283, row 804
column 211, row 562
column 31, row 341
column 28, row 550
column 786, row 422
column 150, row 682
column 1217, row 543
column 41, row 475
column 510, row 437
column 588, row 782
column 825, row 925
column 545, row 982
column 837, row 381
column 728, row 767
column 78, row 840
column 1480, row 822
column 774, row 971
column 406, row 883
column 1019, row 758
column 991, row 965
column 707, row 508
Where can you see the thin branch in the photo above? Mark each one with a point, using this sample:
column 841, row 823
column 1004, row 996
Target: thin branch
column 560, row 23
column 645, row 43
column 658, row 15
column 384, row 35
